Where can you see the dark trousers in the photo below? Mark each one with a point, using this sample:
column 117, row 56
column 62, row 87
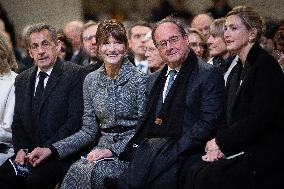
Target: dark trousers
column 44, row 176
column 221, row 174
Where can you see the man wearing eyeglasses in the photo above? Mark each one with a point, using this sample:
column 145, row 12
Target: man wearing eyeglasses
column 91, row 62
column 48, row 108
column 184, row 107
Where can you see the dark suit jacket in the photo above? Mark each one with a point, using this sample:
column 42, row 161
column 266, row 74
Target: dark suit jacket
column 255, row 124
column 61, row 107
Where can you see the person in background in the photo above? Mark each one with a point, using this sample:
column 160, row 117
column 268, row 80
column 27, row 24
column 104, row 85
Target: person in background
column 202, row 22
column 9, row 26
column 114, row 105
column 10, row 46
column 247, row 150
column 155, row 62
column 91, row 62
column 10, row 29
column 219, row 8
column 136, row 34
column 7, row 98
column 27, row 61
column 267, row 38
column 279, row 50
column 198, row 43
column 73, row 31
column 66, row 51
column 48, row 108
column 221, row 57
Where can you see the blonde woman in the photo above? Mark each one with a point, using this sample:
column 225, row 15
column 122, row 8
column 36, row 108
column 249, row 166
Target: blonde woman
column 7, row 98
column 197, row 43
column 246, row 152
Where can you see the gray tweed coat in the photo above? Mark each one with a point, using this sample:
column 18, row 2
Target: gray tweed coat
column 108, row 102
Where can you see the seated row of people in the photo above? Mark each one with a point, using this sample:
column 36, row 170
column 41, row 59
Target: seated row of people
column 141, row 131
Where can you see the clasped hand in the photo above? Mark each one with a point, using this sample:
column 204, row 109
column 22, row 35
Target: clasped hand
column 34, row 158
column 213, row 152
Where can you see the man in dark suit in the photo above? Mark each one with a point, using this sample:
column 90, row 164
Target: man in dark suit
column 184, row 106
column 49, row 107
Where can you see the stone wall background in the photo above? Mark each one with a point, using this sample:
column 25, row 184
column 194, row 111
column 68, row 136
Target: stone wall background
column 58, row 12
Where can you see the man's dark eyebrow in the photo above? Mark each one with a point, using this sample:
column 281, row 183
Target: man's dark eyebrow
column 233, row 24
column 45, row 41
column 33, row 44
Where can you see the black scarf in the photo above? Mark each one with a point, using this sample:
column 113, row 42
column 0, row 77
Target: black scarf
column 169, row 120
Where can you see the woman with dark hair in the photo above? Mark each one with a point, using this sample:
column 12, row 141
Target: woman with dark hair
column 7, row 97
column 114, row 105
column 246, row 152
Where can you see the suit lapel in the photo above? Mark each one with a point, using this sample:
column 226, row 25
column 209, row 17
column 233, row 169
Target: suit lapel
column 243, row 81
column 29, row 91
column 158, row 86
column 52, row 81
column 154, row 91
column 248, row 66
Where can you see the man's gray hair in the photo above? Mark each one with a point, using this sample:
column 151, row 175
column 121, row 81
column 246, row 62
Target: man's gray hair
column 38, row 28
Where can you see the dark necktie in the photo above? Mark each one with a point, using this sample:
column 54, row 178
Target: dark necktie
column 37, row 97
column 172, row 75
column 40, row 85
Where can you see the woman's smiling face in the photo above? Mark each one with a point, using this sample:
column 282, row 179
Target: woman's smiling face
column 112, row 51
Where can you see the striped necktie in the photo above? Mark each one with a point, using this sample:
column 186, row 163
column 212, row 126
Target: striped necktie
column 172, row 75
